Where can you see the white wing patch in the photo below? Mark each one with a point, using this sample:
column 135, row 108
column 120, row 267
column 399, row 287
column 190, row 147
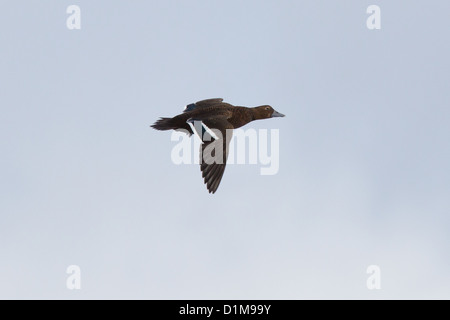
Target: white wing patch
column 197, row 125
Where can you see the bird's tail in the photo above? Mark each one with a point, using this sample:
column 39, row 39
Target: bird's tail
column 164, row 124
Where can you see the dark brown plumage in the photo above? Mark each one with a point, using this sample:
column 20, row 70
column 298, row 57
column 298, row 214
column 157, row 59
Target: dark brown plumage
column 212, row 119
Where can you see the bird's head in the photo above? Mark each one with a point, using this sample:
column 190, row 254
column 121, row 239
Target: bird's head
column 265, row 112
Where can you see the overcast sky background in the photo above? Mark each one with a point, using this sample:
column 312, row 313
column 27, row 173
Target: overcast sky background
column 364, row 174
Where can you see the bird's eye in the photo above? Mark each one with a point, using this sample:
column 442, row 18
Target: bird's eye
column 267, row 108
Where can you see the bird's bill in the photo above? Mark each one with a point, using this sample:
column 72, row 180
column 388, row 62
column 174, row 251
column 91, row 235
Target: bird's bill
column 277, row 114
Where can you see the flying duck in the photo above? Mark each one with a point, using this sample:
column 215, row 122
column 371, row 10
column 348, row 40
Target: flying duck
column 213, row 121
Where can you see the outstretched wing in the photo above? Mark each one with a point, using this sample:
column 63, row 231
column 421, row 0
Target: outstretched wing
column 214, row 149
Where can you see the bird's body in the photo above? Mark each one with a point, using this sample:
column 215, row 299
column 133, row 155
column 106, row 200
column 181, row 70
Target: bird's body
column 214, row 115
column 236, row 116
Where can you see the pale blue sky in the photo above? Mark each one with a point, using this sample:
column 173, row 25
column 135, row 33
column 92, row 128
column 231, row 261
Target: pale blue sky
column 364, row 172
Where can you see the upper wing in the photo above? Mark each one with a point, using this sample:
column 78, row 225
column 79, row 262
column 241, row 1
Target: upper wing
column 214, row 149
column 205, row 103
column 209, row 102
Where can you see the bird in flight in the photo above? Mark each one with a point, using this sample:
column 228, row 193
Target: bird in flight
column 213, row 121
